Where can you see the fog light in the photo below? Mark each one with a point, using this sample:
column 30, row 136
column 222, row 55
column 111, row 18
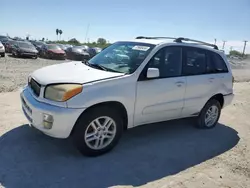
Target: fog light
column 48, row 121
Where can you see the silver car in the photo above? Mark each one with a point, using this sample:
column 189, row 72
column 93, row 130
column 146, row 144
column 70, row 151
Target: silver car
column 2, row 50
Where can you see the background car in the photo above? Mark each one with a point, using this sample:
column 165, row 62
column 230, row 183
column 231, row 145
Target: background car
column 52, row 51
column 37, row 44
column 3, row 38
column 24, row 49
column 2, row 50
column 77, row 53
column 9, row 45
column 62, row 46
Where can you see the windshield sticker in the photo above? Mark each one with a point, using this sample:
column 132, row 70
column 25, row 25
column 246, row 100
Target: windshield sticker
column 141, row 48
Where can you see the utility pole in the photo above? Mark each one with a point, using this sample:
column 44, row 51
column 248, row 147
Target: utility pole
column 244, row 48
column 215, row 40
column 223, row 46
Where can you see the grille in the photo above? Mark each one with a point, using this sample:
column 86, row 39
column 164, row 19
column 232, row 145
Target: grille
column 35, row 87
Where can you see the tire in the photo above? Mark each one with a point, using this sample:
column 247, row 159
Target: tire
column 83, row 126
column 3, row 55
column 213, row 106
column 35, row 57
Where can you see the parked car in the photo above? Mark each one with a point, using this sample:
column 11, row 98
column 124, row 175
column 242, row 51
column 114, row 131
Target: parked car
column 2, row 50
column 97, row 50
column 62, row 46
column 52, row 51
column 95, row 101
column 3, row 38
column 38, row 44
column 24, row 49
column 77, row 53
column 9, row 45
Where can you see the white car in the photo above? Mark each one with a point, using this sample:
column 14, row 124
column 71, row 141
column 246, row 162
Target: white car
column 2, row 50
column 94, row 101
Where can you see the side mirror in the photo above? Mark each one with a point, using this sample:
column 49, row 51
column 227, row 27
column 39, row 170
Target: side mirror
column 153, row 73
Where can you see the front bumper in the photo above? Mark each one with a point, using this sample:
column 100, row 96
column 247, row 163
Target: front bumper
column 34, row 110
column 26, row 54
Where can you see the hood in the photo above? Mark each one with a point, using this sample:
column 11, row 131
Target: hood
column 29, row 50
column 57, row 51
column 71, row 72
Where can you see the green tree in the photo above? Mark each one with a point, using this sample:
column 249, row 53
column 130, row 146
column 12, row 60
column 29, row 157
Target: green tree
column 235, row 53
column 102, row 41
column 57, row 32
column 60, row 32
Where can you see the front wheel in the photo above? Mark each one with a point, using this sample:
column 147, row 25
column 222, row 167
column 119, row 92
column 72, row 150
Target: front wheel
column 3, row 55
column 98, row 131
column 209, row 115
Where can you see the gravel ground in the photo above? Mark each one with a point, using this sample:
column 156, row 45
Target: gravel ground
column 14, row 71
column 164, row 155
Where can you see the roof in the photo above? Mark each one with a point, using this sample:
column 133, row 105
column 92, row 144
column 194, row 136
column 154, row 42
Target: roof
column 178, row 41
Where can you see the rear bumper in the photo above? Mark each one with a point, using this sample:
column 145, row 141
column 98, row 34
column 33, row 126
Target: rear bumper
column 228, row 99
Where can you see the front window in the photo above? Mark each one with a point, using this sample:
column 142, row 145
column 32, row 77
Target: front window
column 123, row 57
column 25, row 45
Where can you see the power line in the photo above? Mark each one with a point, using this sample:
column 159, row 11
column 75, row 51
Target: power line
column 244, row 48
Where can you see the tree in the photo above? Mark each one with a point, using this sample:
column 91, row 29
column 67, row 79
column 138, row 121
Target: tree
column 234, row 53
column 102, row 41
column 74, row 42
column 57, row 31
column 60, row 32
column 42, row 39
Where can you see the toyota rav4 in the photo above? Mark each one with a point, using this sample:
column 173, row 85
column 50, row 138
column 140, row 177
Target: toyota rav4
column 129, row 83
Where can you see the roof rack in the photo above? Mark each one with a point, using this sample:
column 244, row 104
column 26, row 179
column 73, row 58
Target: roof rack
column 180, row 40
column 142, row 37
column 192, row 40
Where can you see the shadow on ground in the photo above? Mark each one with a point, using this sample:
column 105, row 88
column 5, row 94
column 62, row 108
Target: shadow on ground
column 30, row 159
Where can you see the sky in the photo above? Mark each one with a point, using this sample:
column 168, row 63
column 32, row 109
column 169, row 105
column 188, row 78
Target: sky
column 116, row 20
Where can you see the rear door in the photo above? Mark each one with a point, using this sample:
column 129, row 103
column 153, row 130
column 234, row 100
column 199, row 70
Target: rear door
column 202, row 83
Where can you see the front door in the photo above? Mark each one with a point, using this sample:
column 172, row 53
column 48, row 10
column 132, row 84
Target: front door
column 161, row 98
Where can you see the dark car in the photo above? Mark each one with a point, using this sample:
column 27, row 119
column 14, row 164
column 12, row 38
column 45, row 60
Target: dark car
column 24, row 49
column 9, row 45
column 52, row 51
column 37, row 44
column 77, row 53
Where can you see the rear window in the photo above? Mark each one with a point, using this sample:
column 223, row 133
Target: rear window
column 216, row 64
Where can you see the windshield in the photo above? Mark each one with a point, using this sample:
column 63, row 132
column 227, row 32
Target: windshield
column 38, row 43
column 124, row 57
column 53, row 47
column 25, row 45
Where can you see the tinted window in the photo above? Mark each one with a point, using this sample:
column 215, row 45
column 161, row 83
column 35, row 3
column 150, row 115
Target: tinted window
column 168, row 61
column 194, row 62
column 216, row 64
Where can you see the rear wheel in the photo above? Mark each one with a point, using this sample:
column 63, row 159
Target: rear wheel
column 98, row 131
column 209, row 115
column 3, row 55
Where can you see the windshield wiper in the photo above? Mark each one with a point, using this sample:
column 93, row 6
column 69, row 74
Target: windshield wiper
column 100, row 67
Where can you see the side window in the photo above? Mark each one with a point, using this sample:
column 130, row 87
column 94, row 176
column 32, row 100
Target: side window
column 168, row 61
column 194, row 62
column 216, row 64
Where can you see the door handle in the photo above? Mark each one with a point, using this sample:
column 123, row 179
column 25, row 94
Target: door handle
column 179, row 84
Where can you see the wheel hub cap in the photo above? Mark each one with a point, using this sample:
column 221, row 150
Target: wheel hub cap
column 100, row 133
column 211, row 115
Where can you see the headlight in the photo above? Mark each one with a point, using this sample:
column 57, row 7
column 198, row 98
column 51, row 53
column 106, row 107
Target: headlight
column 62, row 92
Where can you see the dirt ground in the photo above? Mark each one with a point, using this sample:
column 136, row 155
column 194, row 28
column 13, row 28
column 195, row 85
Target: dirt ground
column 171, row 154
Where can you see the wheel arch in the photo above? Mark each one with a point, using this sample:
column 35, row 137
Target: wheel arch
column 113, row 104
column 219, row 97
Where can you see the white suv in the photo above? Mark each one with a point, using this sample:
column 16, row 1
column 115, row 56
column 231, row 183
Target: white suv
column 128, row 84
column 2, row 50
